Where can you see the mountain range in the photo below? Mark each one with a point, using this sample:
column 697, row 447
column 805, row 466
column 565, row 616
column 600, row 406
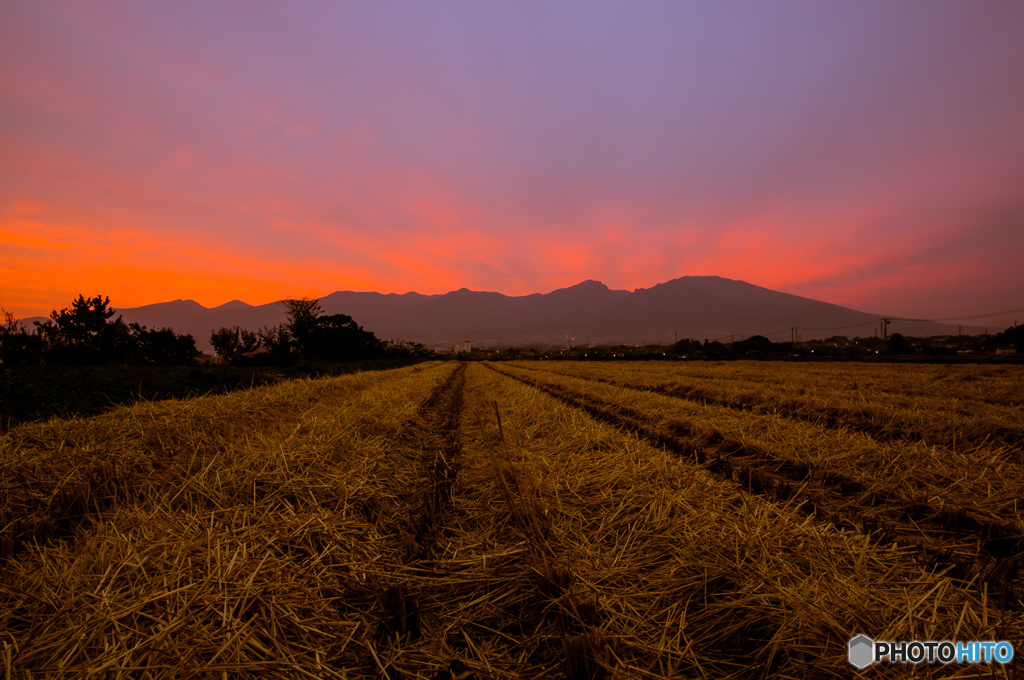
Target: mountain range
column 699, row 307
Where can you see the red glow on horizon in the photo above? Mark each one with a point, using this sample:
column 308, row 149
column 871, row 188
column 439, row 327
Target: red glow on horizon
column 49, row 263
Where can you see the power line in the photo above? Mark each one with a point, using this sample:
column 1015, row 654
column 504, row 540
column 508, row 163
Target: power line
column 897, row 318
column 979, row 316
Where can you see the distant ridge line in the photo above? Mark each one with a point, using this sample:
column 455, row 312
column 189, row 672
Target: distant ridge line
column 696, row 307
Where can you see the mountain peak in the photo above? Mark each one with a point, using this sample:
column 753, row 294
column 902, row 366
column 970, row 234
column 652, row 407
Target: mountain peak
column 233, row 304
column 591, row 283
column 583, row 286
column 587, row 290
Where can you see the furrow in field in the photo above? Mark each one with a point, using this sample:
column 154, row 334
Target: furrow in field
column 950, row 535
column 430, row 447
column 475, row 590
column 497, row 596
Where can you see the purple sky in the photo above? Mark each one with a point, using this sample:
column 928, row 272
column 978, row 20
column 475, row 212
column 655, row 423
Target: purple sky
column 865, row 153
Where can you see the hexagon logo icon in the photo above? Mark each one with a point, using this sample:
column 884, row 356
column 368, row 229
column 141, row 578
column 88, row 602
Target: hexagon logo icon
column 861, row 652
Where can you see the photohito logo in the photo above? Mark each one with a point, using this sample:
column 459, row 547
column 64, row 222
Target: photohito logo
column 862, row 651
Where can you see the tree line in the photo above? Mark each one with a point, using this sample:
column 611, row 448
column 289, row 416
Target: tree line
column 85, row 334
column 309, row 335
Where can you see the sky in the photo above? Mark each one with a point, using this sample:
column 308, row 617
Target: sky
column 869, row 154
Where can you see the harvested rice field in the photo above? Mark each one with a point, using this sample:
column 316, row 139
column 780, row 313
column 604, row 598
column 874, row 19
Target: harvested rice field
column 456, row 520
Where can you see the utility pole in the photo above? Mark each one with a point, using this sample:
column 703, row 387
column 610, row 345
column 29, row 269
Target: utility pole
column 885, row 328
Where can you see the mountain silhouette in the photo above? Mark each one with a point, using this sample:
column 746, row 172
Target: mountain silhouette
column 698, row 307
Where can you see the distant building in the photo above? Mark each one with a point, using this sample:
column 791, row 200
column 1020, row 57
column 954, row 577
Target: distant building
column 466, row 347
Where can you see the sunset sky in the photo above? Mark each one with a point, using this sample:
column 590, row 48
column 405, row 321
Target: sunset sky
column 869, row 154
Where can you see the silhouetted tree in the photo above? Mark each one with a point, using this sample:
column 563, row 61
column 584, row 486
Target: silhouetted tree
column 755, row 345
column 83, row 334
column 18, row 346
column 231, row 344
column 1014, row 335
column 327, row 338
column 896, row 344
column 164, row 347
column 278, row 341
column 339, row 338
column 714, row 349
column 85, row 319
column 303, row 315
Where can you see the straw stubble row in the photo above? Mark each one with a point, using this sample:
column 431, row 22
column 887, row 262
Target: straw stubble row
column 958, row 406
column 792, row 464
column 737, row 584
column 235, row 558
